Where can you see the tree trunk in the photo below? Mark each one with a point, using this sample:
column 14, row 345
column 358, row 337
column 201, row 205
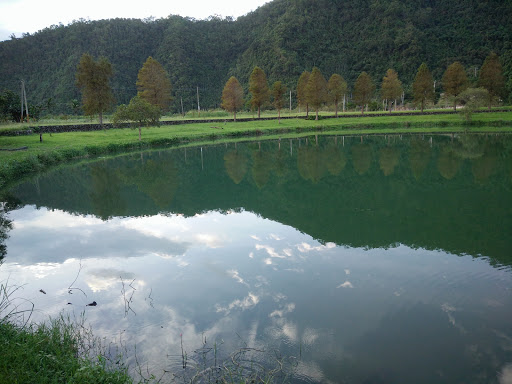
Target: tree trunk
column 362, row 110
column 101, row 118
column 316, row 110
column 259, row 111
column 279, row 119
column 336, row 106
column 234, row 116
column 140, row 134
column 307, row 111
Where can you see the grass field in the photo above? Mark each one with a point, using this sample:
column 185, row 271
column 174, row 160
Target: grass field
column 63, row 147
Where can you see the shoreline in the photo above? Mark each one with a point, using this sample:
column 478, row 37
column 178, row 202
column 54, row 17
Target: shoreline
column 24, row 155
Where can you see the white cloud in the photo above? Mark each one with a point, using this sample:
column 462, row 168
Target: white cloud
column 346, row 284
column 44, row 218
column 103, row 279
column 288, row 308
column 210, row 240
column 305, row 247
column 235, row 275
column 41, row 270
column 271, row 251
column 251, row 300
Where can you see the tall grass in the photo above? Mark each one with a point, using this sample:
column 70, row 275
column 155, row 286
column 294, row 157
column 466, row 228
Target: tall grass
column 61, row 350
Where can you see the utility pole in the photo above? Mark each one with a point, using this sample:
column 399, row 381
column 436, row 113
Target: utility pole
column 21, row 118
column 24, row 99
column 198, row 107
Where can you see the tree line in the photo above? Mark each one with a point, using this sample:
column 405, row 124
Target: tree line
column 313, row 90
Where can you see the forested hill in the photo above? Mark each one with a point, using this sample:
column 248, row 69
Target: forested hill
column 284, row 37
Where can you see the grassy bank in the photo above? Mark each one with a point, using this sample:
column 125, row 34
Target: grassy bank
column 48, row 353
column 36, row 156
column 64, row 350
column 59, row 351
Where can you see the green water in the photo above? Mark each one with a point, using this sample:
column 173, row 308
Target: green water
column 361, row 259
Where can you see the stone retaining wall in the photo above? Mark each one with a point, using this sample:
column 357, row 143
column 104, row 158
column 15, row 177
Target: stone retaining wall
column 98, row 127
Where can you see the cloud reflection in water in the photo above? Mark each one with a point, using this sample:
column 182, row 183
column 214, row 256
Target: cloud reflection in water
column 192, row 277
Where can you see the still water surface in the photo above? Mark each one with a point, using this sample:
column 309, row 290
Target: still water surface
column 352, row 260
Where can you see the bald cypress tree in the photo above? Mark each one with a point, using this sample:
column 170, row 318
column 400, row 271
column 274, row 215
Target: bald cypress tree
column 391, row 88
column 258, row 87
column 93, row 79
column 423, row 86
column 232, row 96
column 301, row 91
column 491, row 78
column 455, row 81
column 363, row 90
column 278, row 91
column 154, row 85
column 336, row 89
column 316, row 90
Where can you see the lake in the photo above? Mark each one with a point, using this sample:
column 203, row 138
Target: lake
column 368, row 259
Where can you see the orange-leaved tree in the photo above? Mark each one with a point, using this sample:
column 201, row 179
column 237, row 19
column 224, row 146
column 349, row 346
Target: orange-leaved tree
column 336, row 89
column 316, row 90
column 491, row 77
column 391, row 88
column 363, row 90
column 154, row 85
column 455, row 81
column 423, row 86
column 232, row 96
column 93, row 78
column 278, row 92
column 301, row 91
column 258, row 87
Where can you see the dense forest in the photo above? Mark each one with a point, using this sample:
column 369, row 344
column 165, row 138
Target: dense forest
column 283, row 37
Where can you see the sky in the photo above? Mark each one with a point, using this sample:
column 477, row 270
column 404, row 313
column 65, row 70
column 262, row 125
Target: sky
column 22, row 16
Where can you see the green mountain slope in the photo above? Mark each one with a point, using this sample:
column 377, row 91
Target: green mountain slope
column 284, row 37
